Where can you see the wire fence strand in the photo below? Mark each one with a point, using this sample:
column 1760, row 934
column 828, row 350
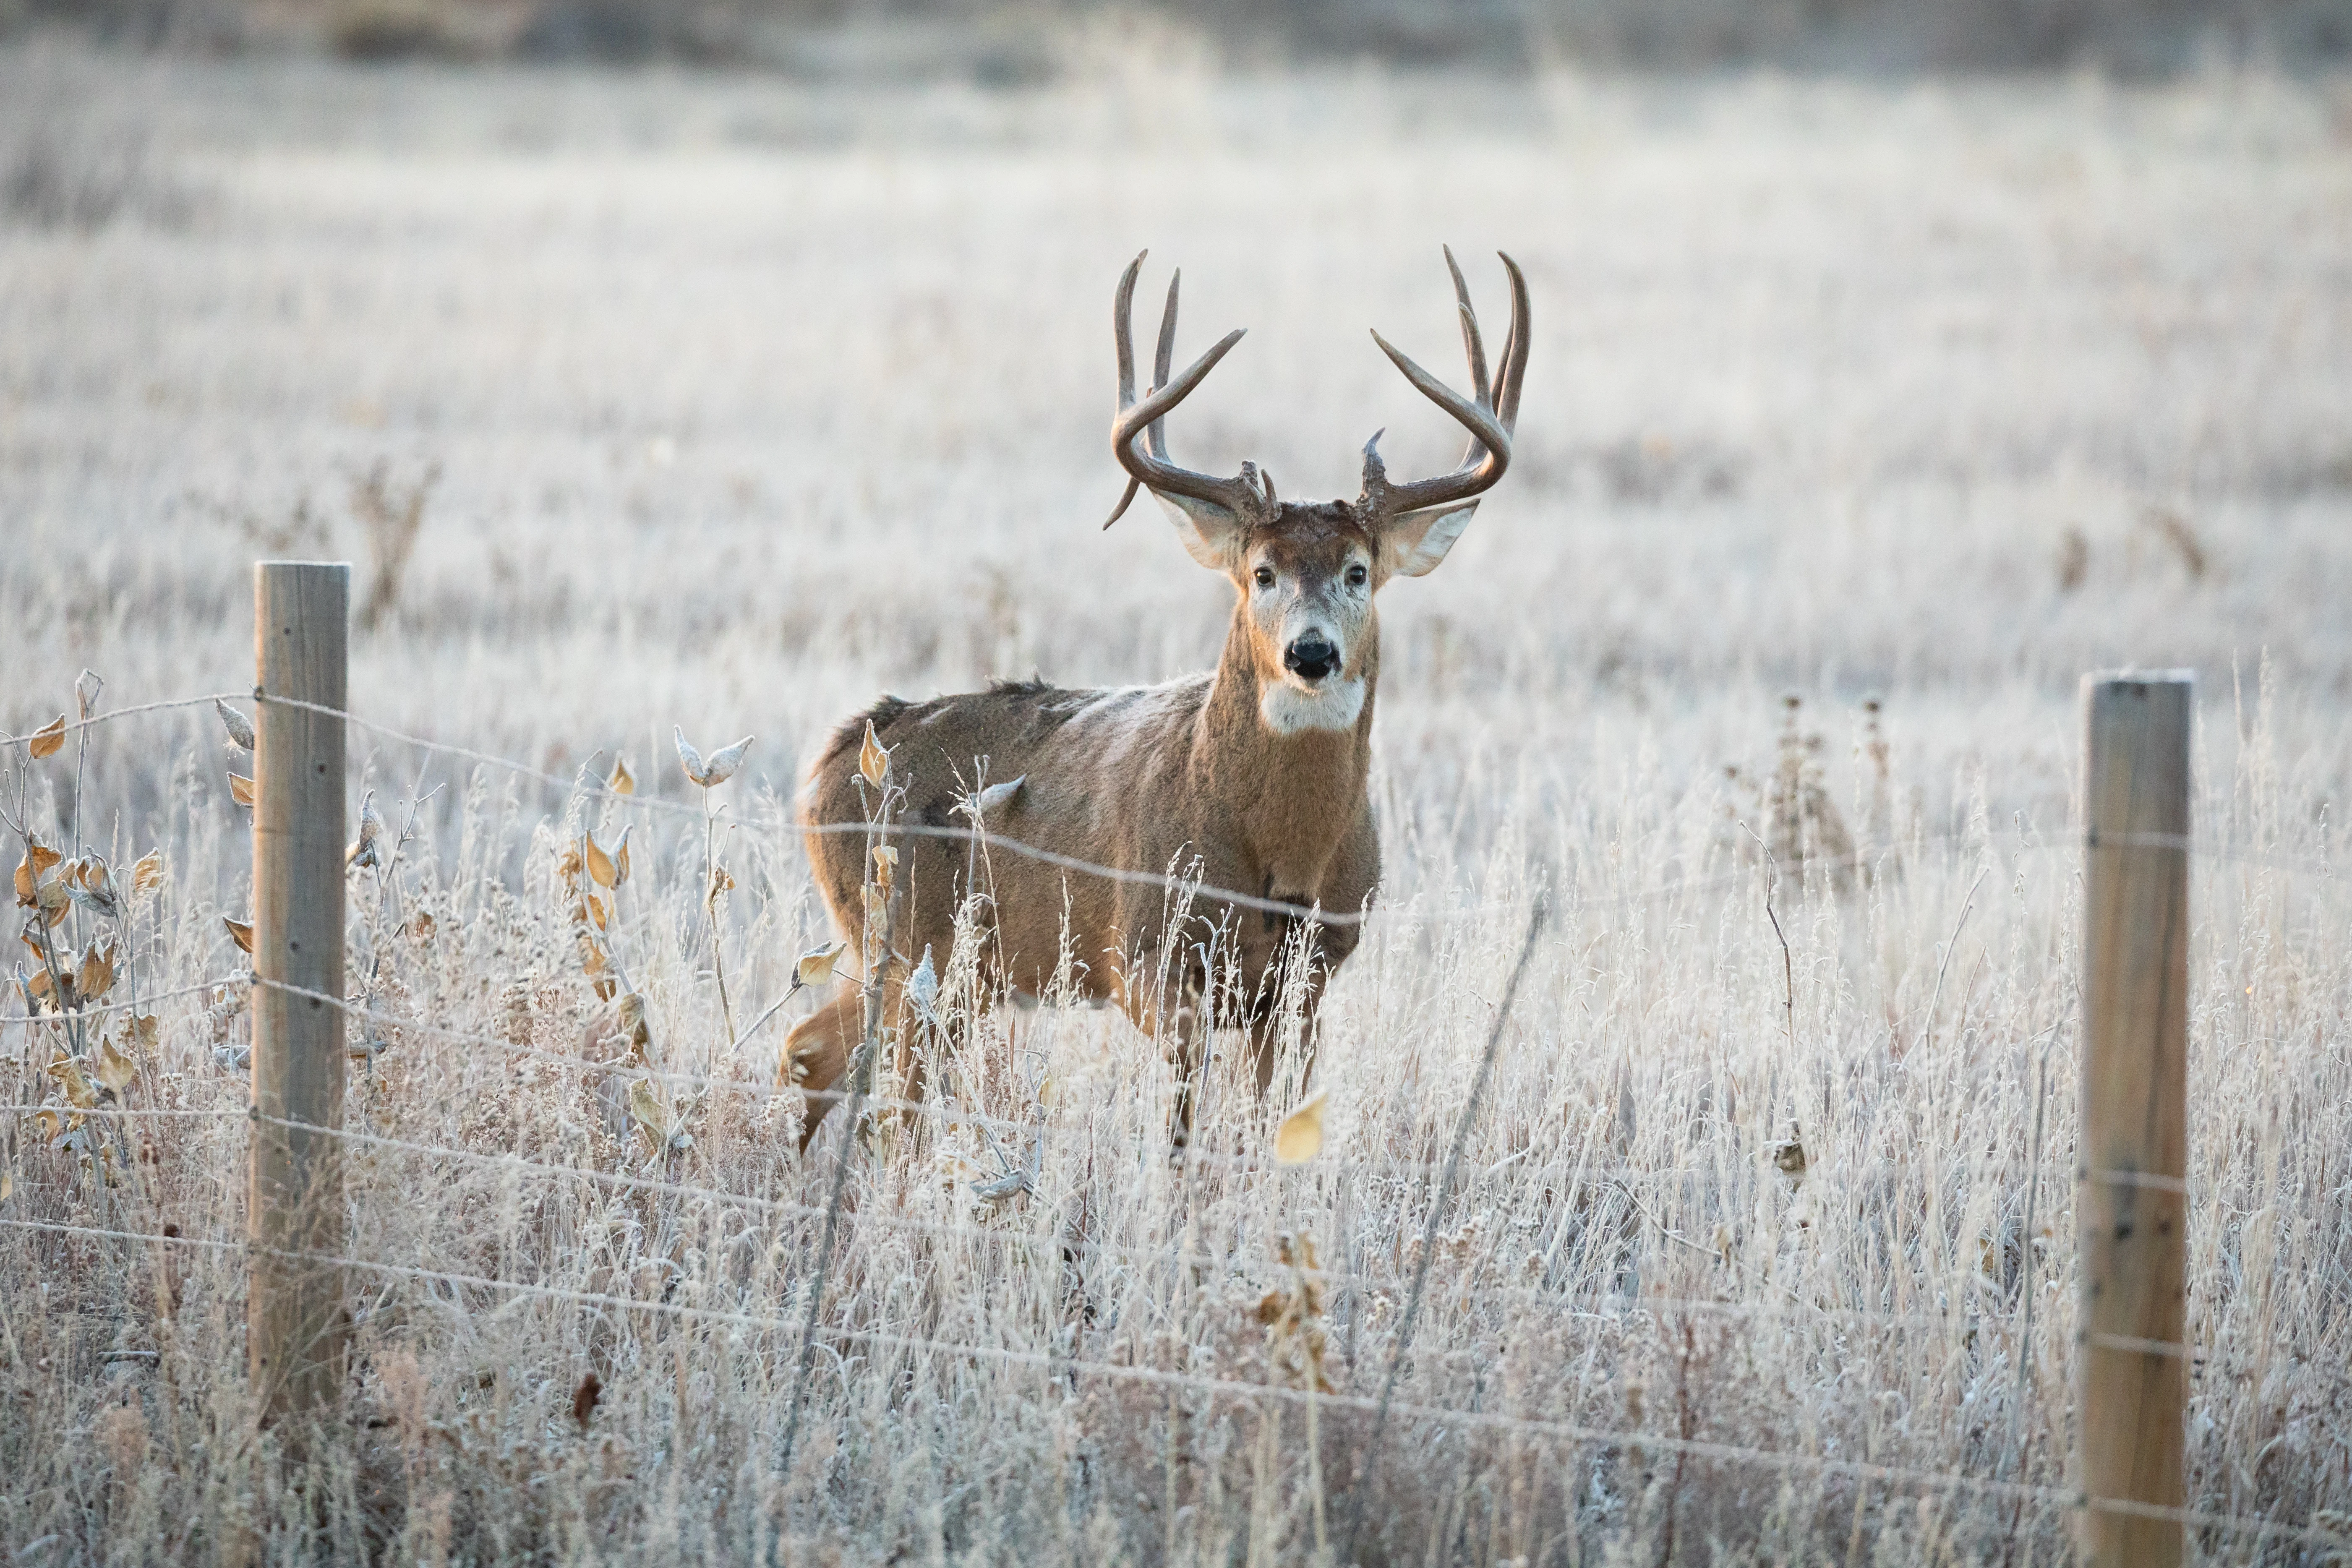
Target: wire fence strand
column 1054, row 1364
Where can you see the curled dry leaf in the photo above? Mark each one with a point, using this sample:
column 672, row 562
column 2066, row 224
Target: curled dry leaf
column 878, row 907
column 240, row 789
column 97, row 887
column 53, row 901
column 147, row 872
column 46, row 740
column 622, row 782
column 1300, row 1137
column 115, row 1070
column 239, row 931
column 146, row 1029
column 87, row 686
column 873, row 761
column 40, row 992
column 239, row 727
column 596, row 911
column 634, row 1027
column 721, row 880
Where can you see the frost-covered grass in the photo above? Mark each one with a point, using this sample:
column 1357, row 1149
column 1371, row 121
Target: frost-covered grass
column 748, row 400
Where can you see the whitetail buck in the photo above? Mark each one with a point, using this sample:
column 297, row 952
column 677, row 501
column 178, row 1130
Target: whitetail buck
column 1250, row 779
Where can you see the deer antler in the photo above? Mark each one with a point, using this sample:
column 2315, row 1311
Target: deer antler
column 1489, row 420
column 1227, row 501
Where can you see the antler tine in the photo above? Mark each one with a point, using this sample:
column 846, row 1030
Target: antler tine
column 1470, row 339
column 1237, row 496
column 1513, row 371
column 1162, row 358
column 1488, row 418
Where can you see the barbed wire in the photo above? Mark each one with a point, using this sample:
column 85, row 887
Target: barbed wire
column 133, row 1006
column 1589, row 1301
column 164, row 1111
column 1074, row 1366
column 96, row 720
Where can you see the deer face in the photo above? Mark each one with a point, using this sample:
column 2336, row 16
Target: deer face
column 1307, row 581
column 1307, row 571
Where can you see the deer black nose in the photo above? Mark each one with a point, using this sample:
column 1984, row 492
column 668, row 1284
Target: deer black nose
column 1311, row 656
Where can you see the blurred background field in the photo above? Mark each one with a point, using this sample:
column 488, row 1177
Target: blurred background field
column 728, row 398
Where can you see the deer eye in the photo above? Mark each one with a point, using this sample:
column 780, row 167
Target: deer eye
column 1265, row 577
column 1356, row 576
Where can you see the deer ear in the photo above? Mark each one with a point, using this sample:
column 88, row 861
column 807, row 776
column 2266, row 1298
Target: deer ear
column 1413, row 545
column 1211, row 535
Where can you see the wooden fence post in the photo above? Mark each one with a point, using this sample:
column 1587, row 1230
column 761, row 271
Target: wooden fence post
column 2133, row 1159
column 295, row 1325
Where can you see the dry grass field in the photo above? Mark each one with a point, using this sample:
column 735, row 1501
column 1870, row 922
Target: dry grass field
column 727, row 402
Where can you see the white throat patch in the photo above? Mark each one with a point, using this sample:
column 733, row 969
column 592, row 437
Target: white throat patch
column 1286, row 709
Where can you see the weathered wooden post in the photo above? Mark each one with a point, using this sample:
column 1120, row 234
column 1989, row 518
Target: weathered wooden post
column 2132, row 1160
column 294, row 1314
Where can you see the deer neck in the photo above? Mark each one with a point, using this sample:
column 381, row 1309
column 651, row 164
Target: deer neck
column 1286, row 777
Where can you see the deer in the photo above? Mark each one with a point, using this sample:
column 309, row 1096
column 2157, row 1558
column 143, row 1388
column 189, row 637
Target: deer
column 1248, row 782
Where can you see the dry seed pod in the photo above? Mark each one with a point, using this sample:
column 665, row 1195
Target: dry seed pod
column 46, row 740
column 877, row 908
column 147, row 872
column 815, row 967
column 53, row 901
column 649, row 1114
column 721, row 880
column 873, row 761
column 621, row 858
column 38, row 859
column 725, row 761
column 239, row 727
column 1300, row 1137
column 115, row 1070
column 600, row 865
column 95, row 978
column 240, row 931
column 39, row 992
column 145, row 1030
column 689, row 759
column 87, row 686
column 596, row 911
column 621, row 782
column 67, row 1071
column 240, row 789
column 364, row 851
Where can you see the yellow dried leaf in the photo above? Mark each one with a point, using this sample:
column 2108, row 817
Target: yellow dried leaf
column 886, row 865
column 49, row 738
column 567, row 865
column 114, row 1070
column 147, row 872
column 877, row 908
column 815, row 967
column 600, row 864
column 146, row 1029
column 96, row 976
column 872, row 760
column 40, row 989
column 240, row 789
column 596, row 911
column 49, row 1123
column 1300, row 1137
column 621, row 782
column 240, row 931
column 52, row 900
